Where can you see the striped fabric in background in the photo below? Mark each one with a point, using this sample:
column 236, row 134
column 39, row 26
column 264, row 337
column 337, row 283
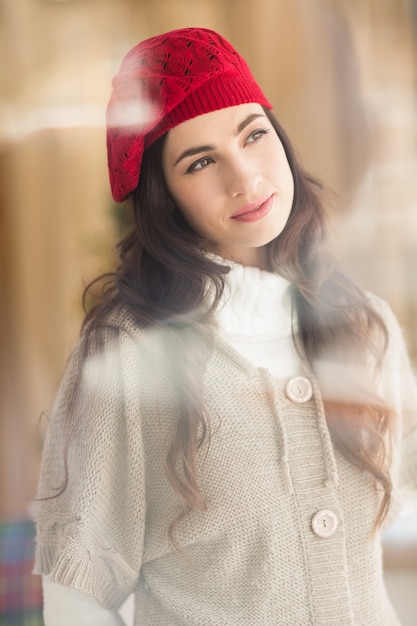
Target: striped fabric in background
column 20, row 590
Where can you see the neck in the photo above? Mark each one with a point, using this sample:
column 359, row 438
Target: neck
column 248, row 257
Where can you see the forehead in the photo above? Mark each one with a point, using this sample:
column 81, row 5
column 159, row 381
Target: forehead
column 209, row 125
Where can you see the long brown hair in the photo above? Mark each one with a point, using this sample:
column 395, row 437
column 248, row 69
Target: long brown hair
column 162, row 278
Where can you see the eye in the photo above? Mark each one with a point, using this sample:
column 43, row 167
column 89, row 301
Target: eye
column 257, row 134
column 199, row 165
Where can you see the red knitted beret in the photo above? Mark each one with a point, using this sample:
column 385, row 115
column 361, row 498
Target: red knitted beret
column 164, row 81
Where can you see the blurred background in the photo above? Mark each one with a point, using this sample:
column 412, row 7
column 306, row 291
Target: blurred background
column 341, row 75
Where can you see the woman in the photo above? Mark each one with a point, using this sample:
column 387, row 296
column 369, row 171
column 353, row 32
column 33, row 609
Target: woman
column 236, row 417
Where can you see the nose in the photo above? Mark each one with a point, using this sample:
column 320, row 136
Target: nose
column 243, row 176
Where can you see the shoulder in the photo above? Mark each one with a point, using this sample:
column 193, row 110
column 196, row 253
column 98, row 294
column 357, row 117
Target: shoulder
column 384, row 309
column 397, row 377
column 106, row 337
column 119, row 349
column 109, row 375
column 103, row 355
column 118, row 321
column 396, row 341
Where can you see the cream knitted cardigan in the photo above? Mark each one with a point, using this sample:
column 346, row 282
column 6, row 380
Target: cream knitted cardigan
column 253, row 556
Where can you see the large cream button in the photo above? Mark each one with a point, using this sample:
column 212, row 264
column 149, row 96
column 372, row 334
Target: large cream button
column 299, row 389
column 324, row 523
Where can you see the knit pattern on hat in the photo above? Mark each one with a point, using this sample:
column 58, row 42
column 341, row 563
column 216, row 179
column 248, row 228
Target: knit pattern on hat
column 164, row 81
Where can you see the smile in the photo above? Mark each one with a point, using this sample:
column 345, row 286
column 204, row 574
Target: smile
column 254, row 211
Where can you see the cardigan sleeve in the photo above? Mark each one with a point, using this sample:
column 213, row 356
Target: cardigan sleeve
column 399, row 389
column 91, row 496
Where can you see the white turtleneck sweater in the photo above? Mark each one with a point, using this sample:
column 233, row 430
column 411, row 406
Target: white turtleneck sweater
column 255, row 317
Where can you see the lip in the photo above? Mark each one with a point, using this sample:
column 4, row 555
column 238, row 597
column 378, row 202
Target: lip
column 254, row 211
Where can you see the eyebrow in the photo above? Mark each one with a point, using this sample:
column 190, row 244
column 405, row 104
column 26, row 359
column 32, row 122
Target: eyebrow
column 207, row 148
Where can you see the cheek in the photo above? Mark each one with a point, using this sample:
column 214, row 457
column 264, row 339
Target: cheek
column 284, row 177
column 194, row 198
column 190, row 206
column 277, row 161
column 290, row 182
column 186, row 201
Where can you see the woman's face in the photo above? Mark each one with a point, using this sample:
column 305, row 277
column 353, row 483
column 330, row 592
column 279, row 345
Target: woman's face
column 228, row 174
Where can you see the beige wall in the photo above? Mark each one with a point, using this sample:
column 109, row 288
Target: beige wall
column 341, row 77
